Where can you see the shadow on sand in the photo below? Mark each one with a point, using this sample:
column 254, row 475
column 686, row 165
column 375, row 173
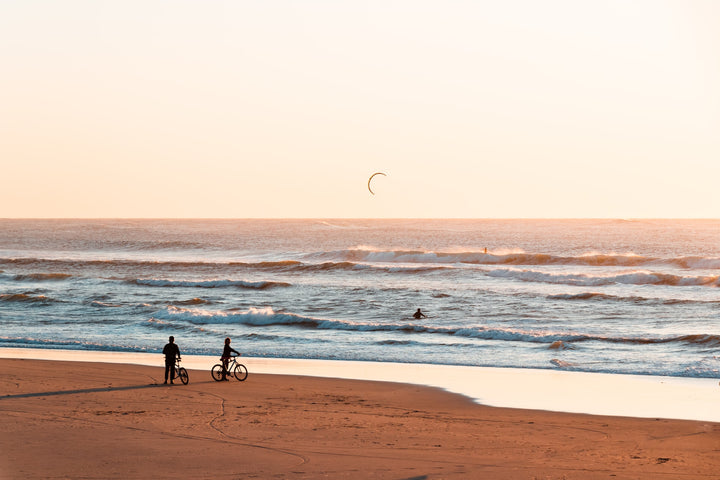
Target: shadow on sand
column 84, row 390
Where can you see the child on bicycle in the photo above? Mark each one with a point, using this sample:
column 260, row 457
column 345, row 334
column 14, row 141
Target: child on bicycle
column 227, row 351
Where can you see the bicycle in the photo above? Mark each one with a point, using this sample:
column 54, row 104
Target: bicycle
column 181, row 373
column 234, row 368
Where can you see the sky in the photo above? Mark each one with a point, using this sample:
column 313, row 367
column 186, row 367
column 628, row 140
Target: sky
column 283, row 109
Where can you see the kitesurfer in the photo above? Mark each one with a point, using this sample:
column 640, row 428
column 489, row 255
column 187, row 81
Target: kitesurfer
column 370, row 179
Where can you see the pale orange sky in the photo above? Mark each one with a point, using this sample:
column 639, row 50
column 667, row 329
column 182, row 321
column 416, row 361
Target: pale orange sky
column 474, row 109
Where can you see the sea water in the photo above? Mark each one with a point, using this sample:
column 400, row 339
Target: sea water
column 611, row 296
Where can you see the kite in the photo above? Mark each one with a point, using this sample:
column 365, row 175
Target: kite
column 370, row 180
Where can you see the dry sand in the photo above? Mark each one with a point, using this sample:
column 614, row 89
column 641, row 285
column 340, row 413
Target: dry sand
column 95, row 420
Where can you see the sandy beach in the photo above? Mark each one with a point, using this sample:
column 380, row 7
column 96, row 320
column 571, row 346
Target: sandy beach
column 101, row 420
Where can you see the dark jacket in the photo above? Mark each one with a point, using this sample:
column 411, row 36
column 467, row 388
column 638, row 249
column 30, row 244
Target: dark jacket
column 171, row 351
column 227, row 349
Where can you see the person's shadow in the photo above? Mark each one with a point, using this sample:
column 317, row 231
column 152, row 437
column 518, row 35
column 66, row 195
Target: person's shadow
column 84, row 390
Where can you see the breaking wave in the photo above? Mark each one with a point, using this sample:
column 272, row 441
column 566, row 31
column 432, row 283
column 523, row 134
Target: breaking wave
column 367, row 258
column 590, row 296
column 630, row 278
column 262, row 317
column 26, row 298
column 287, row 266
column 368, row 254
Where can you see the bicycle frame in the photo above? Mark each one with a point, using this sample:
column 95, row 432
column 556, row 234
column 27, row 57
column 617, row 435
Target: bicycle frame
column 234, row 369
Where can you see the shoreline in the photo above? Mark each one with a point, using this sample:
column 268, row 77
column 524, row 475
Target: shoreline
column 639, row 396
column 70, row 419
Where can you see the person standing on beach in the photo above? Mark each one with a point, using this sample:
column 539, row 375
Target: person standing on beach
column 227, row 353
column 171, row 352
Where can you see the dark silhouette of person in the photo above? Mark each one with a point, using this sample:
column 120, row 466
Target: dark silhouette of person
column 418, row 315
column 227, row 353
column 171, row 352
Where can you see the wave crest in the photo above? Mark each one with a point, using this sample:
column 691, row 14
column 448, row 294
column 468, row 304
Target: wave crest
column 42, row 277
column 266, row 316
column 596, row 296
column 192, row 301
column 630, row 278
column 510, row 257
column 26, row 298
column 158, row 282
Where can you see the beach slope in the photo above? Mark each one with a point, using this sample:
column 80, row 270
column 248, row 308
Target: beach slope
column 96, row 420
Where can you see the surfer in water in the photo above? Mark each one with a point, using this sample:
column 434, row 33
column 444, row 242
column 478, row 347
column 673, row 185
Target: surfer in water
column 418, row 315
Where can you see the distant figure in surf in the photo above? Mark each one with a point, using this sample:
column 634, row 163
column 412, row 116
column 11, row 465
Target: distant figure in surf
column 418, row 315
column 227, row 351
column 171, row 352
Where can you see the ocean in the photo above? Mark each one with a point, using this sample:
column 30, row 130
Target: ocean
column 612, row 296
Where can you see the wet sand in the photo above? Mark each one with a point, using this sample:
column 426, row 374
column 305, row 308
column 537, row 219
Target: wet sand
column 102, row 420
column 555, row 390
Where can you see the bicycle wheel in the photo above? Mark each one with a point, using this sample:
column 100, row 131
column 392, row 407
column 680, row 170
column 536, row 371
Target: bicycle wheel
column 217, row 372
column 241, row 372
column 184, row 377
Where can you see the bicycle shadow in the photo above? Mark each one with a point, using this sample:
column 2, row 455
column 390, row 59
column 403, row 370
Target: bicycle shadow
column 83, row 390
